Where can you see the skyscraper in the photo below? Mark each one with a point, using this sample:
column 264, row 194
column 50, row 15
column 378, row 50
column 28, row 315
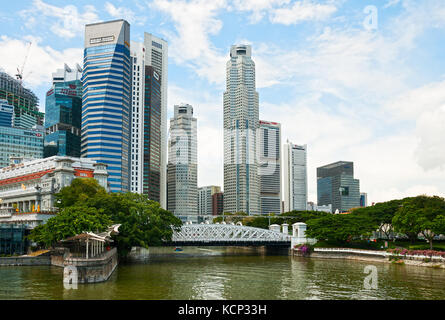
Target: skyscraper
column 106, row 99
column 152, row 144
column 156, row 55
column 18, row 145
column 182, row 172
column 294, row 177
column 6, row 114
column 336, row 185
column 363, row 199
column 270, row 166
column 147, row 114
column 137, row 117
column 241, row 120
column 63, row 114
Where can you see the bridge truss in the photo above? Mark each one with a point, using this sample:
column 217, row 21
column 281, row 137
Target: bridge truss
column 227, row 234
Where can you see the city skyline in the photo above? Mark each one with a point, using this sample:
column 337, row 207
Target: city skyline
column 395, row 126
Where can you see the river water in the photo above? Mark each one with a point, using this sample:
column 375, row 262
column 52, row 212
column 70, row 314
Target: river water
column 216, row 273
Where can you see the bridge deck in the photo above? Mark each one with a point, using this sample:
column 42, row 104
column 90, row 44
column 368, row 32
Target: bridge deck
column 228, row 243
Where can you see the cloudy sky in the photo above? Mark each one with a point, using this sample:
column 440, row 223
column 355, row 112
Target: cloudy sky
column 360, row 81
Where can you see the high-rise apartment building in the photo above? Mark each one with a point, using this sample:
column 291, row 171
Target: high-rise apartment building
column 106, row 104
column 205, row 199
column 63, row 113
column 182, row 169
column 241, row 120
column 336, row 185
column 269, row 147
column 294, row 177
column 26, row 111
column 156, row 55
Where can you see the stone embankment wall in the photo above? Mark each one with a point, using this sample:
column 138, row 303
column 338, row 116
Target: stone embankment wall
column 97, row 269
column 372, row 256
column 93, row 270
column 26, row 261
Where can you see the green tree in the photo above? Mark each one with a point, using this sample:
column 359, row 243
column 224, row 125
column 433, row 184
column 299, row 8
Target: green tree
column 381, row 214
column 143, row 222
column 420, row 215
column 69, row 222
column 79, row 192
column 339, row 228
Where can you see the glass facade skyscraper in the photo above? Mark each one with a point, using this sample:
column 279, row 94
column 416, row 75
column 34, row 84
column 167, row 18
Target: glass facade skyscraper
column 241, row 120
column 270, row 166
column 156, row 55
column 6, row 114
column 106, row 99
column 63, row 119
column 20, row 143
column 336, row 185
column 152, row 135
column 182, row 170
column 147, row 169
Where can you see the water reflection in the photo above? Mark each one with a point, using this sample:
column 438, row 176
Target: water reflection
column 215, row 273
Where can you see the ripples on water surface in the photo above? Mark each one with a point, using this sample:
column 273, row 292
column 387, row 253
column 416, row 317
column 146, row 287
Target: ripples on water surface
column 182, row 276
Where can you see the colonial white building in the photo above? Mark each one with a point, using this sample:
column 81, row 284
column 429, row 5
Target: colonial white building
column 27, row 190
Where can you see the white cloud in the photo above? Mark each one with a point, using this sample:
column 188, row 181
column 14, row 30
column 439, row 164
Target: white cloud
column 391, row 3
column 258, row 8
column 124, row 13
column 195, row 22
column 425, row 107
column 42, row 60
column 65, row 22
column 302, row 11
column 285, row 11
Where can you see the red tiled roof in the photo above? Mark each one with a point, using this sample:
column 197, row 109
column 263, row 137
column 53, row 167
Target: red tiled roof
column 26, row 177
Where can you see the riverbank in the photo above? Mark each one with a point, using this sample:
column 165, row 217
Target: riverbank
column 373, row 256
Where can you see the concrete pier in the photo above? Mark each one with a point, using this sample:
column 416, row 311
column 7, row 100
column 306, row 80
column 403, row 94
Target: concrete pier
column 92, row 270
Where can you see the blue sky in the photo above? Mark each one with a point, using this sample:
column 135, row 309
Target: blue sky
column 375, row 96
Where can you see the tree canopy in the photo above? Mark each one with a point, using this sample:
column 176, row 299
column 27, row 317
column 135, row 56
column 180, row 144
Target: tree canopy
column 86, row 206
column 69, row 222
column 420, row 215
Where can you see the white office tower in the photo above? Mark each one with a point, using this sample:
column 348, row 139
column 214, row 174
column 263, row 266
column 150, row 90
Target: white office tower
column 67, row 74
column 182, row 168
column 241, row 120
column 294, row 177
column 269, row 147
column 156, row 55
column 137, row 53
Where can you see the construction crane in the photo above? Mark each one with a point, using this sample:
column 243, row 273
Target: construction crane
column 19, row 74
